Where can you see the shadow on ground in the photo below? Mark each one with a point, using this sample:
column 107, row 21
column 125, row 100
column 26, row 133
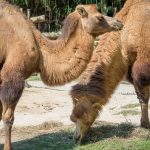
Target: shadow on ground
column 62, row 139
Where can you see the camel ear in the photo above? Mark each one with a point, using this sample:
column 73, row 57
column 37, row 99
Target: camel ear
column 96, row 106
column 82, row 12
column 69, row 25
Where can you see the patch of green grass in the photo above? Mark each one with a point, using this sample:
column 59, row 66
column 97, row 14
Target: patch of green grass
column 131, row 106
column 128, row 112
column 34, row 78
column 112, row 108
column 48, row 143
column 102, row 137
column 118, row 144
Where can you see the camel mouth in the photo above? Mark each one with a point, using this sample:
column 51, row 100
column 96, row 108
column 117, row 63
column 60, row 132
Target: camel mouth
column 114, row 24
column 77, row 137
column 80, row 136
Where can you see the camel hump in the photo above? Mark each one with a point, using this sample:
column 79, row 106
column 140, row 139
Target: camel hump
column 8, row 8
column 17, row 30
column 136, row 36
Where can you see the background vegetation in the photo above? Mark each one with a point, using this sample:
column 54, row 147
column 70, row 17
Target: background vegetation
column 56, row 10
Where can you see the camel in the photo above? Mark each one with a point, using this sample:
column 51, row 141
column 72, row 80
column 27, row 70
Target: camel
column 118, row 54
column 24, row 50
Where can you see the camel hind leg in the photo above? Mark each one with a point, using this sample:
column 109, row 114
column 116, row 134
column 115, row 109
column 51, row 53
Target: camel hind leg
column 11, row 89
column 143, row 96
column 141, row 81
column 1, row 109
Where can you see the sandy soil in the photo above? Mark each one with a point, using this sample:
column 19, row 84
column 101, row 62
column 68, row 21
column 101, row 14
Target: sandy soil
column 40, row 103
column 43, row 110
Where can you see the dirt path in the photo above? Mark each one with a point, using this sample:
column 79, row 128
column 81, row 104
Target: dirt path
column 44, row 112
column 41, row 103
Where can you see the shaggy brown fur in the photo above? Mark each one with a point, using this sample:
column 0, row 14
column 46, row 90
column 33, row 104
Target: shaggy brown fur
column 109, row 65
column 25, row 50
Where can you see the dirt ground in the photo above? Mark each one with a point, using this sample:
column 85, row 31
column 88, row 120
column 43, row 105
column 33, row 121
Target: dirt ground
column 40, row 104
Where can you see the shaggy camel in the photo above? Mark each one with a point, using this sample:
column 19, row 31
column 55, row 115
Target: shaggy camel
column 25, row 50
column 109, row 65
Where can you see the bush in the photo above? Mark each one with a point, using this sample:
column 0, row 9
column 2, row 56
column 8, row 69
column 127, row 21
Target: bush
column 56, row 10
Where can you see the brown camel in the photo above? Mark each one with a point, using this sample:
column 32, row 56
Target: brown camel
column 109, row 64
column 25, row 50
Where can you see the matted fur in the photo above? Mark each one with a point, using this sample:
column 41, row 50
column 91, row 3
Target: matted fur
column 24, row 50
column 92, row 88
column 11, row 88
column 141, row 73
column 98, row 73
column 113, row 65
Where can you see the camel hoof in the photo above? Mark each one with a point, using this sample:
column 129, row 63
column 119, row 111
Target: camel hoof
column 145, row 124
column 7, row 148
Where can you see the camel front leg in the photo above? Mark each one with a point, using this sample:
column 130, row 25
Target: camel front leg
column 11, row 90
column 143, row 96
column 8, row 119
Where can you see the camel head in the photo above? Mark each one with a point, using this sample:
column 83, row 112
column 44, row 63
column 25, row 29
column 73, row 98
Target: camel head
column 91, row 21
column 94, row 22
column 83, row 115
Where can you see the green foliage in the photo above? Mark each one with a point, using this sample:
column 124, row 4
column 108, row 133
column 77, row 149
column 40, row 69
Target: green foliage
column 56, row 10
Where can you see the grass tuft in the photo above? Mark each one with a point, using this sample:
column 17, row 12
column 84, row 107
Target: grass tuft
column 128, row 112
column 34, row 78
column 131, row 106
column 103, row 136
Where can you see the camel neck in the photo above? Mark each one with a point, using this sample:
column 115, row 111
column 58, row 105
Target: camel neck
column 61, row 60
column 105, row 70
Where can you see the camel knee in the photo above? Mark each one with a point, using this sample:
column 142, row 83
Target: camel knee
column 8, row 117
column 141, row 73
column 8, row 122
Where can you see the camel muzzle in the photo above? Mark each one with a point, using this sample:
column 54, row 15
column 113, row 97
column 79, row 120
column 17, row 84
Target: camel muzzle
column 114, row 23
